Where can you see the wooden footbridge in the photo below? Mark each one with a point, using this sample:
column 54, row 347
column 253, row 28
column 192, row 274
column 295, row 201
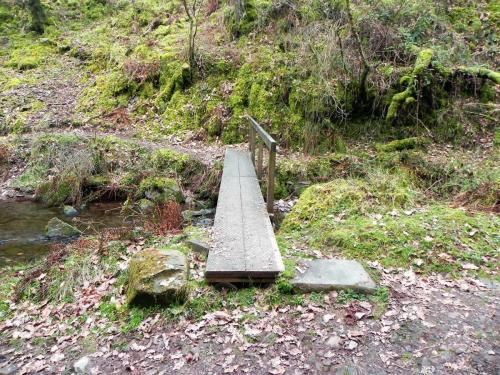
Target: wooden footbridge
column 245, row 248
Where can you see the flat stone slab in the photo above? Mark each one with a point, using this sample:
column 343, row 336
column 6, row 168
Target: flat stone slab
column 198, row 246
column 334, row 274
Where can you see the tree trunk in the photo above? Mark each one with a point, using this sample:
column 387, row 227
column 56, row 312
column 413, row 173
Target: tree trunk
column 38, row 17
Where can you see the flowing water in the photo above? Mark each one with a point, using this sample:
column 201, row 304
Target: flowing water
column 22, row 227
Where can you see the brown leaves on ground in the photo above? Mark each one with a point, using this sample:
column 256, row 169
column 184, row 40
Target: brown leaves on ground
column 141, row 71
column 119, row 118
column 475, row 199
column 416, row 333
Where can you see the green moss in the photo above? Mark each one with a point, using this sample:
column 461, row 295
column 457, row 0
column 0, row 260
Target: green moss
column 147, row 275
column 422, row 62
column 293, row 176
column 246, row 24
column 403, row 144
column 29, row 57
column 161, row 189
column 496, row 138
column 173, row 77
column 97, row 181
column 482, row 73
column 60, row 190
column 111, row 90
column 166, row 160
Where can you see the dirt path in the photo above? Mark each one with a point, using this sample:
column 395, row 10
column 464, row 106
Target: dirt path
column 431, row 325
column 46, row 97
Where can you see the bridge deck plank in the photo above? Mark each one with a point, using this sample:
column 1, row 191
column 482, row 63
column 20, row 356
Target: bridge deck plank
column 245, row 247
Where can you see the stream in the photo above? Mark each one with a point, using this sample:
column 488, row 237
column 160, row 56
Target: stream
column 22, row 227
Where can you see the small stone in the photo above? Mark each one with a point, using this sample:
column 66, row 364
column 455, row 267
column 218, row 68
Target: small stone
column 351, row 345
column 203, row 212
column 204, row 222
column 145, row 205
column 328, row 317
column 334, row 341
column 58, row 228
column 70, row 211
column 332, row 274
column 8, row 370
column 198, row 246
column 188, row 215
column 82, row 365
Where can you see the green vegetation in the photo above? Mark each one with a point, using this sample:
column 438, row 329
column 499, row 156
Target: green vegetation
column 425, row 67
column 394, row 105
column 380, row 219
column 76, row 169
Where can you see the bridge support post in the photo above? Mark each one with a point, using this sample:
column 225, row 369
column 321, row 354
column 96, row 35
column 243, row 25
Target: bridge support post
column 260, row 152
column 270, row 179
column 252, row 144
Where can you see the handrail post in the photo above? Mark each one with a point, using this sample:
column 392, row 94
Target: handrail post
column 252, row 144
column 260, row 153
column 270, row 143
column 270, row 178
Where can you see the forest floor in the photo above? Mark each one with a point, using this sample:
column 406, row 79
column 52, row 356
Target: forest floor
column 429, row 325
column 418, row 323
column 426, row 324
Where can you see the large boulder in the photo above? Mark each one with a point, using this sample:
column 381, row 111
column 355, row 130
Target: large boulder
column 157, row 276
column 58, row 228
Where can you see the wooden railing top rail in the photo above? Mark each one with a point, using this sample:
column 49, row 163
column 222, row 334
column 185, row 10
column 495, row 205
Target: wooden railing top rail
column 268, row 140
column 256, row 146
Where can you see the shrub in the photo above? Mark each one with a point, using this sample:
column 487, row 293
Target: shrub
column 166, row 219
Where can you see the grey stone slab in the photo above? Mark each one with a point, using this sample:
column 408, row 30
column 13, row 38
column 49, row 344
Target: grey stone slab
column 334, row 274
column 244, row 247
column 198, row 246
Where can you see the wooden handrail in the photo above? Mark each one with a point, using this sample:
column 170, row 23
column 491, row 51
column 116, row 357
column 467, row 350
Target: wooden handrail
column 270, row 144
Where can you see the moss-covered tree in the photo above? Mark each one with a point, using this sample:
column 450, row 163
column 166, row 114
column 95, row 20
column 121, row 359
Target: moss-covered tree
column 191, row 8
column 38, row 16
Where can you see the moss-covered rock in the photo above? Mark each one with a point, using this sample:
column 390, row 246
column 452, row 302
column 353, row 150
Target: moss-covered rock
column 157, row 276
column 161, row 189
column 166, row 160
column 403, row 144
column 70, row 211
column 57, row 228
column 145, row 205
